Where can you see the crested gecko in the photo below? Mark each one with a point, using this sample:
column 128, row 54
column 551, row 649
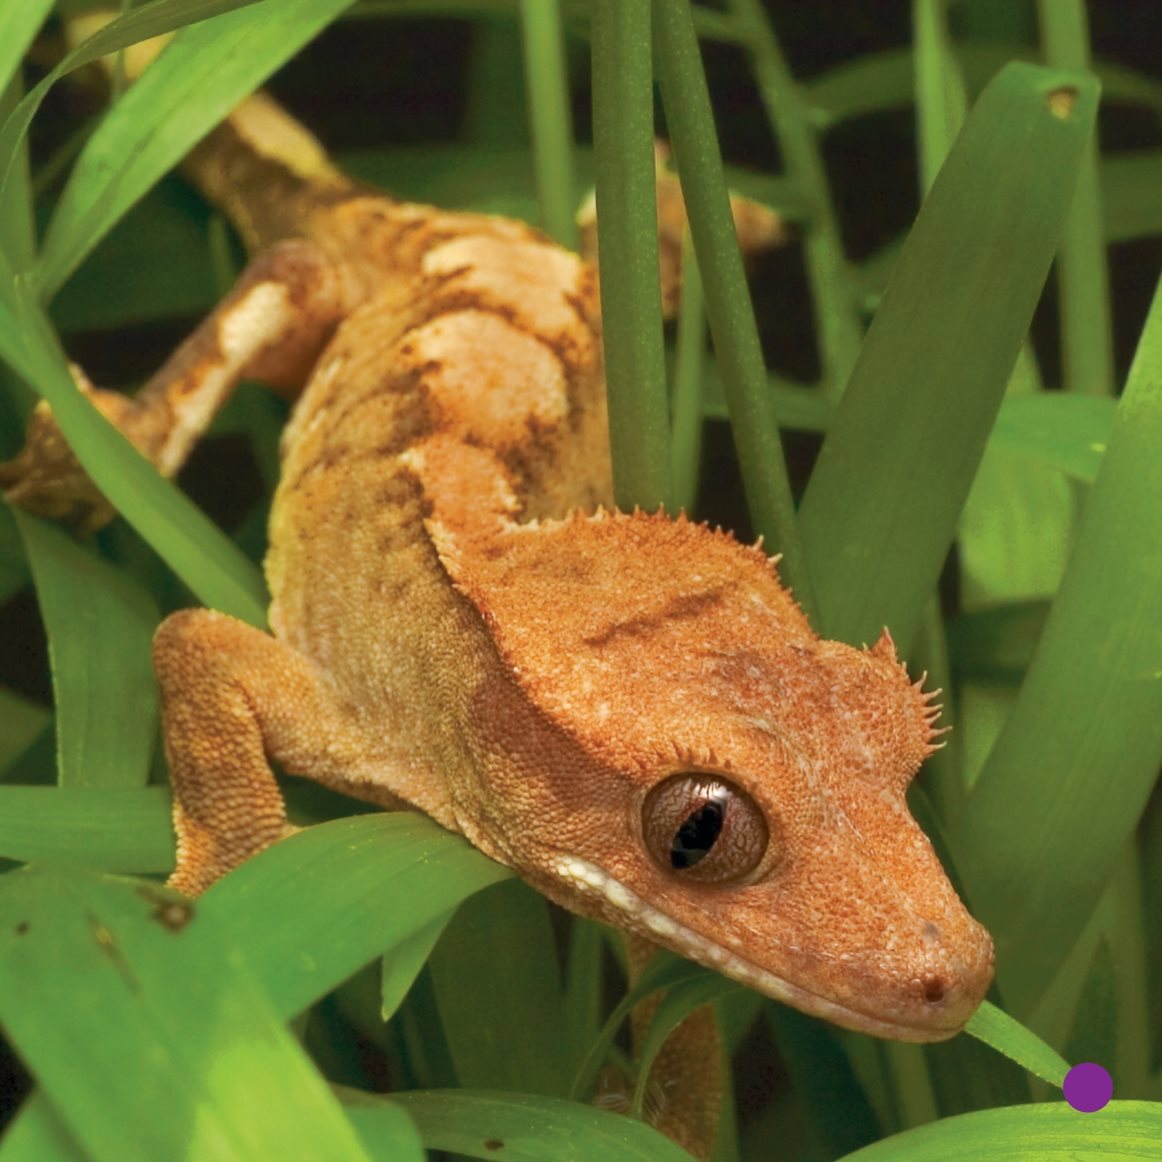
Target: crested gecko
column 626, row 708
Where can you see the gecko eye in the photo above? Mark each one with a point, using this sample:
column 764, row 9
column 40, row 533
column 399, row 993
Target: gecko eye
column 704, row 828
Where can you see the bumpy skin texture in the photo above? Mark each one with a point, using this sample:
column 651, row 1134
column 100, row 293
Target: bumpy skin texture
column 459, row 626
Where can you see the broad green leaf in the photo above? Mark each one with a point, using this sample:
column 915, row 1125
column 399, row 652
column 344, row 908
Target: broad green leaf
column 518, row 1128
column 1068, row 778
column 99, row 977
column 113, row 830
column 934, row 366
column 202, row 74
column 1125, row 1131
column 100, row 623
column 313, row 909
column 495, row 977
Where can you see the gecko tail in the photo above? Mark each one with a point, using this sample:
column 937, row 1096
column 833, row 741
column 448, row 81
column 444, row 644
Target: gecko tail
column 266, row 172
column 262, row 168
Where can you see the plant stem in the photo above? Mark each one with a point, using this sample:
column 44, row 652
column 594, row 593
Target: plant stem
column 728, row 303
column 1082, row 271
column 547, row 78
column 631, row 304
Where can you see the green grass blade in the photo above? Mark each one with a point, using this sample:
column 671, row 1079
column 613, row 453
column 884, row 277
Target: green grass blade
column 100, row 623
column 547, row 78
column 837, row 321
column 900, row 455
column 36, row 1133
column 941, row 103
column 21, row 724
column 148, row 1035
column 1015, row 530
column 14, row 574
column 478, row 1124
column 311, row 910
column 995, row 643
column 581, row 1014
column 140, row 24
column 728, row 305
column 1087, row 339
column 500, row 1012
column 404, row 962
column 688, row 375
column 1129, row 196
column 665, row 970
column 881, row 81
column 1065, row 432
column 390, row 1135
column 677, row 1004
column 193, row 547
column 1075, row 763
column 204, row 72
column 18, row 26
column 107, row 830
column 996, row 1028
column 631, row 301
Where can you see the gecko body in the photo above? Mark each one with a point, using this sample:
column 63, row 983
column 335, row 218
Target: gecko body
column 629, row 710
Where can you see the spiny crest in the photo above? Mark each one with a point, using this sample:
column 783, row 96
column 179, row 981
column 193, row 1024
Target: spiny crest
column 638, row 518
column 589, row 608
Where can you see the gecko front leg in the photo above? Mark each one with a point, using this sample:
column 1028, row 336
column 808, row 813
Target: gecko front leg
column 271, row 327
column 235, row 699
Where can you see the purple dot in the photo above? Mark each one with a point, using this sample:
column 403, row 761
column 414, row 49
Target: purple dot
column 1088, row 1087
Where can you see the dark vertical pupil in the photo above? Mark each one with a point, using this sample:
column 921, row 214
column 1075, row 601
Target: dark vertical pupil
column 696, row 836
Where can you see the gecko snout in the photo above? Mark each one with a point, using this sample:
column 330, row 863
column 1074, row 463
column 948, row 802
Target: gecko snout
column 956, row 974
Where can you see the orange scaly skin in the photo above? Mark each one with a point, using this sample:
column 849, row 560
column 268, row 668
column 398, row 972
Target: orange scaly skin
column 458, row 626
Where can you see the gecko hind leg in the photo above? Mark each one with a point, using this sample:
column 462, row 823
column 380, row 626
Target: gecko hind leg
column 235, row 698
column 271, row 327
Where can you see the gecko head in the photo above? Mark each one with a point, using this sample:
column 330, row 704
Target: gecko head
column 673, row 750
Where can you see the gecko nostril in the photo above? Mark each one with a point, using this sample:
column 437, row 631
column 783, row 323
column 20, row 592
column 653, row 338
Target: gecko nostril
column 935, row 989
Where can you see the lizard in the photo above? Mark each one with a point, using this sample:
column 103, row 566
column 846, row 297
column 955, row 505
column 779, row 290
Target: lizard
column 627, row 708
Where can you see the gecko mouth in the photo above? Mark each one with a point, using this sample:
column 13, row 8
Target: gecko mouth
column 589, row 879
